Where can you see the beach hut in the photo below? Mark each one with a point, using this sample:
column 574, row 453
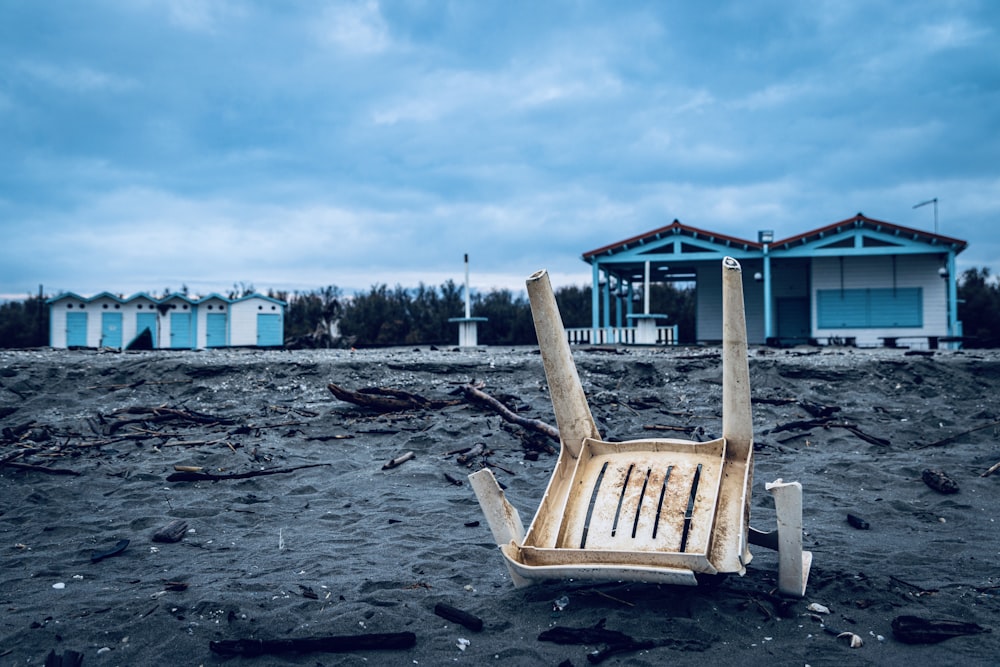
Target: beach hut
column 175, row 321
column 257, row 320
column 857, row 281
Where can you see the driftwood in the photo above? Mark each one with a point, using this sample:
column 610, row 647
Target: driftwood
column 335, row 644
column 952, row 438
column 387, row 400
column 917, row 630
column 398, row 461
column 455, row 615
column 805, row 425
column 992, row 469
column 162, row 414
column 36, row 468
column 476, row 395
column 209, row 477
column 172, row 532
column 614, row 642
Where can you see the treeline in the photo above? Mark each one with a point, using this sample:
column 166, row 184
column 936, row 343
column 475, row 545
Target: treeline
column 385, row 316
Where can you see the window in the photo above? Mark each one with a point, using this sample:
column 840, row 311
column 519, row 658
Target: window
column 870, row 308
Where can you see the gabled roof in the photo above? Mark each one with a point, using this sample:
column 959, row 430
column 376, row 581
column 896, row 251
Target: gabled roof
column 861, row 221
column 169, row 297
column 676, row 228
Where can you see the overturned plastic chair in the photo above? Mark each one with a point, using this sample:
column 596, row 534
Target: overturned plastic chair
column 653, row 510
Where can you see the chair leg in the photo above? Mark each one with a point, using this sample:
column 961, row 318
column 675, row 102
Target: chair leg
column 793, row 562
column 568, row 400
column 737, row 418
column 502, row 517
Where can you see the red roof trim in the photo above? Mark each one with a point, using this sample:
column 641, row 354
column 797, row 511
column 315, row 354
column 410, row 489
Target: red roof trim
column 674, row 228
column 865, row 221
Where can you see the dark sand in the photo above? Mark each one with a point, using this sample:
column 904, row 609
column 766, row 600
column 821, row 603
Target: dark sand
column 348, row 548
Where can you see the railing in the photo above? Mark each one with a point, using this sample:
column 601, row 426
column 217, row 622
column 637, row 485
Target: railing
column 665, row 335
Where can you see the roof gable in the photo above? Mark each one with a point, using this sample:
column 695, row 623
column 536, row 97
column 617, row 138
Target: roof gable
column 864, row 234
column 675, row 240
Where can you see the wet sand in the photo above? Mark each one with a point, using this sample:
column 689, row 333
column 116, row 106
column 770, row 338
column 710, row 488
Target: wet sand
column 347, row 548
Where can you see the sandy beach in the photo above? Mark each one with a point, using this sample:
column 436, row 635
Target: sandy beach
column 332, row 544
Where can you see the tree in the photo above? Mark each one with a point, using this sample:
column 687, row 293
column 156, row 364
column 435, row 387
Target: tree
column 979, row 308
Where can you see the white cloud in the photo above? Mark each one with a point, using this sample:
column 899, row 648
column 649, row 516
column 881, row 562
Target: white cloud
column 354, row 27
column 76, row 78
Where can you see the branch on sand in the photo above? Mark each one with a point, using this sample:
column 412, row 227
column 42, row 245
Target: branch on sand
column 395, row 400
column 387, row 400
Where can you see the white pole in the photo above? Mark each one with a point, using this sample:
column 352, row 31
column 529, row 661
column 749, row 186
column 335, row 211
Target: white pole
column 468, row 307
column 646, row 286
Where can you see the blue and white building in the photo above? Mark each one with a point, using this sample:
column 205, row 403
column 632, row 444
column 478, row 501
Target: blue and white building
column 860, row 281
column 175, row 321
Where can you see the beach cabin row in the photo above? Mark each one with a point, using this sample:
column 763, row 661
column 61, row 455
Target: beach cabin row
column 173, row 322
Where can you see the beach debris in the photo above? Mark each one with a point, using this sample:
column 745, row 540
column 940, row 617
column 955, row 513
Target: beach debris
column 470, row 454
column 952, row 438
column 560, row 603
column 59, row 586
column 809, row 424
column 116, row 550
column 818, row 608
column 992, row 469
column 857, row 522
column 164, row 414
column 456, row 615
column 854, row 640
column 172, row 532
column 939, row 481
column 918, row 630
column 383, row 399
column 475, row 394
column 462, row 643
column 399, row 460
column 66, row 659
column 211, row 477
column 614, row 642
column 453, row 480
column 334, row 644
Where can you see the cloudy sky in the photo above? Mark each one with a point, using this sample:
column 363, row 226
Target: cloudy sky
column 146, row 144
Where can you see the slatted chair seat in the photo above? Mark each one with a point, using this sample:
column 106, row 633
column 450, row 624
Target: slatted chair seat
column 657, row 510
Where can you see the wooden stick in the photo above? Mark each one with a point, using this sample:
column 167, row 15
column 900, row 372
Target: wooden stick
column 334, row 644
column 992, row 469
column 399, row 460
column 476, row 395
column 209, row 477
column 387, row 400
column 950, row 438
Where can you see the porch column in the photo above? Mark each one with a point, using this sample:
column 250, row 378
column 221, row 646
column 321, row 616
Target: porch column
column 768, row 327
column 606, row 294
column 645, row 282
column 595, row 304
column 952, row 296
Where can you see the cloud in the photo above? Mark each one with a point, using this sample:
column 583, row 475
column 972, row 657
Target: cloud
column 75, row 78
column 354, row 27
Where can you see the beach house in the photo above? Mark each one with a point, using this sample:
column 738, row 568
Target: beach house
column 858, row 281
column 176, row 321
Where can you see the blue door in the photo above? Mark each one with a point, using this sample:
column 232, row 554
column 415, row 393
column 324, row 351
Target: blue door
column 180, row 330
column 76, row 329
column 269, row 330
column 215, row 330
column 146, row 321
column 111, row 329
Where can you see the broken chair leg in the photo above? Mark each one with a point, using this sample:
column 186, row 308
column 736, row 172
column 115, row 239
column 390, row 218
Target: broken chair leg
column 502, row 517
column 793, row 562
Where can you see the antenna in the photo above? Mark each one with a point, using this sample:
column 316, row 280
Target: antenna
column 925, row 203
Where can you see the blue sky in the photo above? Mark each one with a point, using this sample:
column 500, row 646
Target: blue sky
column 147, row 144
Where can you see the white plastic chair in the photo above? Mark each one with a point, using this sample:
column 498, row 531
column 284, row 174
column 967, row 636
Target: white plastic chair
column 654, row 510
